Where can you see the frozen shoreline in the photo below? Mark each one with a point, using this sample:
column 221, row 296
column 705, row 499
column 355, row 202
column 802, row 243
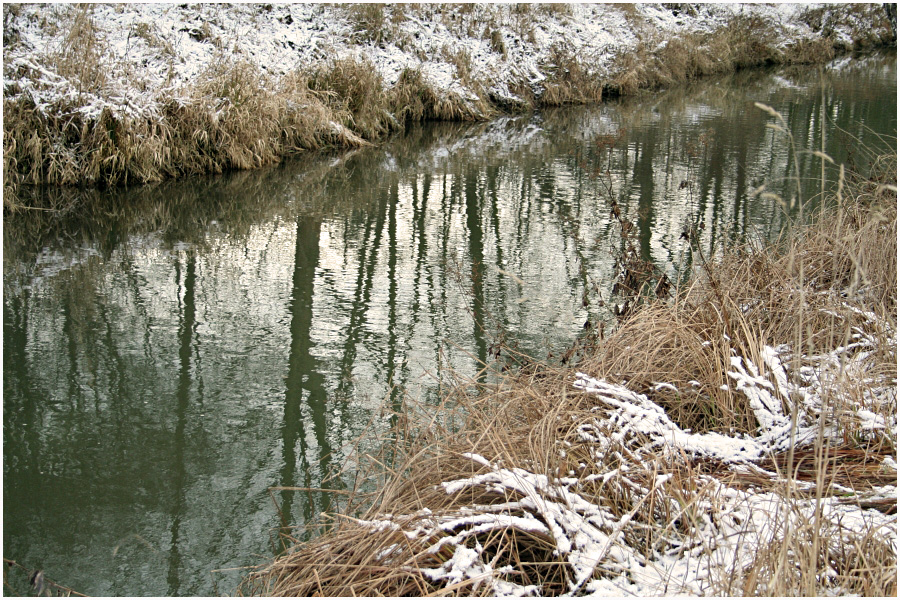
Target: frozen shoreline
column 76, row 72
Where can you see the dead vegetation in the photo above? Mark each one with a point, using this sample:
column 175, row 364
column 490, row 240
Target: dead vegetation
column 746, row 41
column 569, row 80
column 752, row 298
column 18, row 578
column 234, row 116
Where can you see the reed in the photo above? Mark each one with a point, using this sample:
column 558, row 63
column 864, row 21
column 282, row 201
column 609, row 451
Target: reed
column 233, row 117
column 569, row 80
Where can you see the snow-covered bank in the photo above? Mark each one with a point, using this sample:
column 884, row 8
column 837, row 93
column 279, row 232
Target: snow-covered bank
column 137, row 92
column 165, row 47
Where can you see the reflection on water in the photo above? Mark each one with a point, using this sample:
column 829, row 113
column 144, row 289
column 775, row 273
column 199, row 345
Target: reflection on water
column 178, row 349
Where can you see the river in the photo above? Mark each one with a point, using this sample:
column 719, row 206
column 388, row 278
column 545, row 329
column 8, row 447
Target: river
column 170, row 352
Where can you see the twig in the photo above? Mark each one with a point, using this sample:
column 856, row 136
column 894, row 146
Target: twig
column 40, row 582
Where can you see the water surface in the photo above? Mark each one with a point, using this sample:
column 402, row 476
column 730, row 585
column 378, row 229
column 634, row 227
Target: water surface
column 176, row 350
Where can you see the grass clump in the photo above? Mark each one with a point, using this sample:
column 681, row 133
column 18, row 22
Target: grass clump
column 232, row 117
column 353, row 88
column 735, row 440
column 80, row 55
column 746, row 41
column 413, row 98
column 569, row 81
column 368, row 21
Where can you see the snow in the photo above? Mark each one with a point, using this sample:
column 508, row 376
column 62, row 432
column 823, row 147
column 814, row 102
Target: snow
column 466, row 565
column 723, row 528
column 726, row 535
column 152, row 53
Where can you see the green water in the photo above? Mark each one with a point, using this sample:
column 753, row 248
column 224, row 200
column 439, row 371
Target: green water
column 175, row 350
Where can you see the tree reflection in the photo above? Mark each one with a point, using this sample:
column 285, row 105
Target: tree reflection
column 182, row 401
column 473, row 206
column 305, row 394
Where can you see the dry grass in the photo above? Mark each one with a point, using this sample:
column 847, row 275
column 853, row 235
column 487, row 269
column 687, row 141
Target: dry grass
column 373, row 22
column 569, row 81
column 536, row 453
column 80, row 55
column 815, row 293
column 746, row 41
column 235, row 117
column 17, row 578
column 354, row 88
column 414, row 99
column 232, row 118
column 857, row 564
column 859, row 18
column 347, row 560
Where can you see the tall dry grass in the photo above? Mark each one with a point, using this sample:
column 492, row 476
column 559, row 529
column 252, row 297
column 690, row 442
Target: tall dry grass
column 235, row 117
column 569, row 80
column 745, row 41
column 817, row 291
column 232, row 117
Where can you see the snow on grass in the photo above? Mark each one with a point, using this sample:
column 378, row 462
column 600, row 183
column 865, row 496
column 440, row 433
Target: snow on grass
column 150, row 52
column 703, row 529
column 728, row 527
column 136, row 93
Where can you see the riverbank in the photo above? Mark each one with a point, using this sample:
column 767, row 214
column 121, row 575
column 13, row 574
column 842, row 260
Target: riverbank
column 737, row 440
column 135, row 93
